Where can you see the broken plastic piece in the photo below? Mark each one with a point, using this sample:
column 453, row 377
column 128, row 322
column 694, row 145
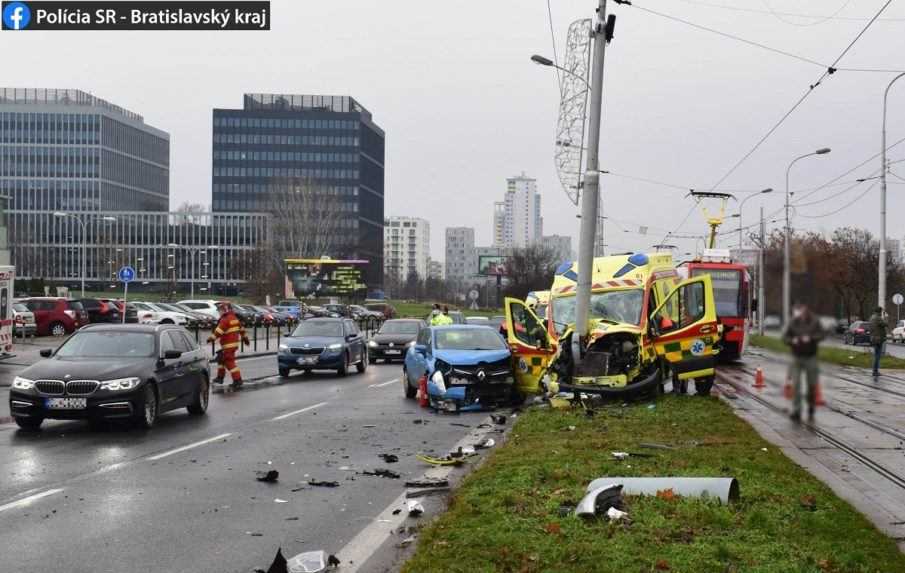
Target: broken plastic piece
column 724, row 489
column 614, row 514
column 407, row 541
column 269, row 476
column 440, row 461
column 498, row 419
column 428, row 483
column 415, row 508
column 278, row 500
column 426, row 491
column 600, row 499
column 279, row 563
column 319, row 483
column 381, row 472
column 487, row 443
column 389, row 458
column 312, row 562
column 619, row 455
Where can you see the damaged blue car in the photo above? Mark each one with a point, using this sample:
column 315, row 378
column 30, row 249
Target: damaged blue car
column 464, row 368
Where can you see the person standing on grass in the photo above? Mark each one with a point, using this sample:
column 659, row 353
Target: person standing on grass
column 803, row 334
column 879, row 326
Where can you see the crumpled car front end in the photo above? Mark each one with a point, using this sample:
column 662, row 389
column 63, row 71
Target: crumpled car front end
column 463, row 384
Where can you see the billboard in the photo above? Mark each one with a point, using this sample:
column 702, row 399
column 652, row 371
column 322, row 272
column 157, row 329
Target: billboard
column 491, row 265
column 314, row 278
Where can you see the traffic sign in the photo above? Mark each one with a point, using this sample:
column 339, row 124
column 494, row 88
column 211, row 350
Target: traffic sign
column 897, row 299
column 473, row 294
column 126, row 274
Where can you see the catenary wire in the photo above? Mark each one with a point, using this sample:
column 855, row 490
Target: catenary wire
column 553, row 41
column 793, row 14
column 844, row 207
column 820, row 20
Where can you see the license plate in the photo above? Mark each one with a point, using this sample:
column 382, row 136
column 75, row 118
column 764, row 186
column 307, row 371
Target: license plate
column 393, row 352
column 66, row 403
column 308, row 360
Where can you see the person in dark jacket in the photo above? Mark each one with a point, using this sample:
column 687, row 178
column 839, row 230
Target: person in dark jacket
column 803, row 334
column 878, row 329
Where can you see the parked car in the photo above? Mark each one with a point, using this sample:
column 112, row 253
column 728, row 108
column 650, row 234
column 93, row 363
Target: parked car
column 280, row 318
column 151, row 313
column 124, row 308
column 465, row 367
column 294, row 308
column 23, row 320
column 359, row 312
column 208, row 307
column 384, row 308
column 323, row 344
column 898, row 333
column 338, row 310
column 246, row 317
column 100, row 311
column 253, row 315
column 55, row 315
column 858, row 333
column 114, row 371
column 204, row 320
column 842, row 326
column 394, row 338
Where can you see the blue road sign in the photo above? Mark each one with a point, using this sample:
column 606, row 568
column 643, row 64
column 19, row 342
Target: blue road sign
column 126, row 274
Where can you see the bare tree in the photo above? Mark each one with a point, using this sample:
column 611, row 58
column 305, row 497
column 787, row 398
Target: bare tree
column 190, row 213
column 530, row 268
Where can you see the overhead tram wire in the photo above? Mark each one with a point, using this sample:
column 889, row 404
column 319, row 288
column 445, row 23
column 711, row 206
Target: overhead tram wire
column 818, row 21
column 844, row 207
column 792, row 14
column 553, row 41
column 831, row 69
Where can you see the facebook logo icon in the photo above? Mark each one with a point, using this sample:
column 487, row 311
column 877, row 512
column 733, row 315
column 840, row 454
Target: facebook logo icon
column 16, row 16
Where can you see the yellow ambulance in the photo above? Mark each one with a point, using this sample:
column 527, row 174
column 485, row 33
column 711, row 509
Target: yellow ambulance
column 646, row 326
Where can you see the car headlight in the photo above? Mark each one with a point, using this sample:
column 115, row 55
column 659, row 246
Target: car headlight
column 335, row 347
column 437, row 379
column 372, row 343
column 284, row 347
column 120, row 384
column 20, row 383
column 411, row 344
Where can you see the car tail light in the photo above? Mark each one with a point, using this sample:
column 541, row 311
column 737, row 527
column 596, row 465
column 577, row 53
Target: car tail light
column 147, row 316
column 69, row 313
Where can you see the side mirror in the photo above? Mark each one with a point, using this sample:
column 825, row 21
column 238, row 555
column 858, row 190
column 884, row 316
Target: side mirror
column 350, row 337
column 47, row 352
column 172, row 354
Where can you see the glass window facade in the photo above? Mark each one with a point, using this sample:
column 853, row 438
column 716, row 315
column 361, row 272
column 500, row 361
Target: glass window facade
column 67, row 150
column 279, row 142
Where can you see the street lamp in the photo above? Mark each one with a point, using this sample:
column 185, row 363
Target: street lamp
column 787, row 254
column 203, row 251
column 742, row 204
column 549, row 63
column 881, row 293
column 62, row 214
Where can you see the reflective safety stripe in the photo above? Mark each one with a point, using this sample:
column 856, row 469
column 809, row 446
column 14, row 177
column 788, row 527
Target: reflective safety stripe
column 218, row 331
column 234, row 322
column 697, row 374
column 234, row 370
column 229, row 345
column 233, row 329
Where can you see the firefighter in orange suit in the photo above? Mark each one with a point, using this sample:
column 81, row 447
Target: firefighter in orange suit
column 229, row 332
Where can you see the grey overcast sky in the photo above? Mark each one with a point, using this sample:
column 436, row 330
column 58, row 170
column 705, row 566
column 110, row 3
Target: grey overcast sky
column 464, row 108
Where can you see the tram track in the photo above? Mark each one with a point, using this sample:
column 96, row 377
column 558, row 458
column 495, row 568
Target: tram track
column 864, row 459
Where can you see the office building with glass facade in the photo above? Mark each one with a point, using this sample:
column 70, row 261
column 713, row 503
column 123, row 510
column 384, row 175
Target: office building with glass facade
column 71, row 151
column 279, row 146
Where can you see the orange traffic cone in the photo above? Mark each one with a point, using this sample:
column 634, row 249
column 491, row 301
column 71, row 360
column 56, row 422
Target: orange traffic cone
column 422, row 392
column 759, row 379
column 787, row 389
column 818, row 396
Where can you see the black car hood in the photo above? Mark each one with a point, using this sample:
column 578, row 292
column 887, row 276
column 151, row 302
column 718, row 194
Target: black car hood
column 89, row 369
column 394, row 338
column 312, row 341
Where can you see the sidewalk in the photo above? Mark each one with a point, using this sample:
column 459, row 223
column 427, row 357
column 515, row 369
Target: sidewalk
column 856, row 445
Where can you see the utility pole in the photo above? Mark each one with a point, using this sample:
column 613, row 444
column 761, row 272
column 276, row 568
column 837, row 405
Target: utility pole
column 590, row 199
column 761, row 300
column 881, row 291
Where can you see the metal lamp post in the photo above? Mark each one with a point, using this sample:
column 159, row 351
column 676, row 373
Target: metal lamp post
column 881, row 291
column 787, row 251
column 741, row 205
column 62, row 214
column 192, row 251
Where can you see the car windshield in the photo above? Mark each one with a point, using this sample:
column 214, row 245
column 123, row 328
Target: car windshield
column 19, row 307
column 108, row 344
column 615, row 305
column 319, row 328
column 288, row 303
column 399, row 327
column 540, row 310
column 468, row 339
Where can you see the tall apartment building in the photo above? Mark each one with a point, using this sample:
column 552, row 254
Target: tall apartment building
column 67, row 150
column 517, row 221
column 461, row 262
column 406, row 247
column 280, row 146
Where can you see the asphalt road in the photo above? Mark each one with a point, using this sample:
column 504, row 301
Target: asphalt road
column 182, row 497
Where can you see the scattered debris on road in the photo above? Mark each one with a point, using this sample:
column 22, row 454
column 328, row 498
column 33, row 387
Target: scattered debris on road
column 487, row 443
column 724, row 489
column 381, row 472
column 427, row 483
column 447, row 461
column 319, row 483
column 407, row 541
column 415, row 493
column 498, row 419
column 389, row 458
column 415, row 508
column 600, row 499
column 312, row 562
column 278, row 500
column 268, row 476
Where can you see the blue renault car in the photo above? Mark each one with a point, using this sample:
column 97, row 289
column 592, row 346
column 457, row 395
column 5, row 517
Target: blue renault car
column 466, row 367
column 323, row 344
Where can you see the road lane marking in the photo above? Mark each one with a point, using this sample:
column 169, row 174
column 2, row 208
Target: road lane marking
column 384, row 525
column 293, row 413
column 188, row 447
column 382, row 384
column 28, row 500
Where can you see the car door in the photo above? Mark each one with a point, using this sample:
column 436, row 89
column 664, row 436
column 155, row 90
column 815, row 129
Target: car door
column 531, row 345
column 170, row 373
column 194, row 363
column 415, row 362
column 353, row 340
column 684, row 329
column 186, row 371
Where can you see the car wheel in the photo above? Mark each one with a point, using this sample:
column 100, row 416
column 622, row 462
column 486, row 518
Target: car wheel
column 166, row 321
column 199, row 406
column 410, row 392
column 306, row 371
column 702, row 386
column 148, row 414
column 344, row 369
column 58, row 329
column 284, row 372
column 363, row 364
column 30, row 423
